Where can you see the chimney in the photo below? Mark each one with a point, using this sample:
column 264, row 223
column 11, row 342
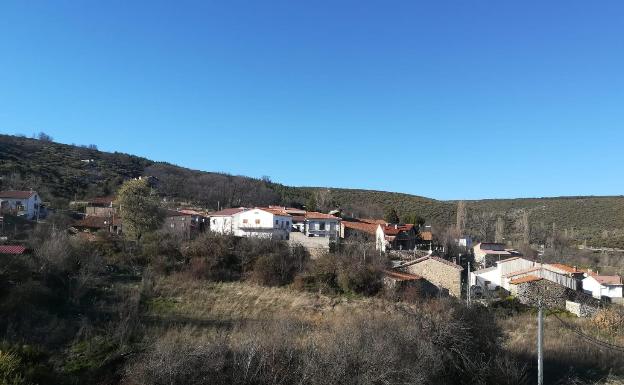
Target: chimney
column 575, row 269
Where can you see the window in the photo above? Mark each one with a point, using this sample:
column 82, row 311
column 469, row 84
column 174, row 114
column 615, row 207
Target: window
column 257, row 221
column 322, row 226
column 245, row 220
column 276, row 222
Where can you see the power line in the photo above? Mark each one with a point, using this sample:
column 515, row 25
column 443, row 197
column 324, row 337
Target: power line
column 579, row 332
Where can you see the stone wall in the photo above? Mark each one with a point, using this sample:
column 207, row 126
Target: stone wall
column 581, row 309
column 443, row 274
column 316, row 246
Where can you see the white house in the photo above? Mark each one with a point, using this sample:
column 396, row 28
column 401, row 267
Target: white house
column 492, row 277
column 603, row 285
column 26, row 203
column 257, row 222
column 222, row 221
column 321, row 225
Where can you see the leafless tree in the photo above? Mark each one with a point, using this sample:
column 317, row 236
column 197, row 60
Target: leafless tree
column 461, row 217
column 499, row 235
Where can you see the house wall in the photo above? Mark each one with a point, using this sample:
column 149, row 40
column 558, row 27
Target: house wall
column 440, row 274
column 221, row 225
column 99, row 211
column 178, row 225
column 262, row 224
column 488, row 279
column 313, row 228
column 596, row 290
column 380, row 239
column 30, row 205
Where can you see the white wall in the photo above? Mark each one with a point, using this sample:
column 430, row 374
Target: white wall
column 262, row 224
column 31, row 205
column 221, row 225
column 491, row 275
column 593, row 287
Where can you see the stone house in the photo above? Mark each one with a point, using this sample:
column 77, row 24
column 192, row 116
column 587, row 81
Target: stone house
column 184, row 224
column 101, row 207
column 398, row 282
column 94, row 224
column 440, row 272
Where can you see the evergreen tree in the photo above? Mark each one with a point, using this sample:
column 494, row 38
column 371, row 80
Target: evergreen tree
column 391, row 215
column 139, row 209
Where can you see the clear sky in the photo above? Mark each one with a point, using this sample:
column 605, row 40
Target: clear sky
column 446, row 99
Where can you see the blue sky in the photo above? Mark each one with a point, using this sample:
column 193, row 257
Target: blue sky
column 446, row 99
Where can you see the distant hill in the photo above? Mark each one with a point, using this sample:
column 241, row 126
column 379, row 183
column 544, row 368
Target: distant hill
column 63, row 172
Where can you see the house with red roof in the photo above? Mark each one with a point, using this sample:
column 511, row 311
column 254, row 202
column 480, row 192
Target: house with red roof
column 395, row 237
column 359, row 228
column 12, row 249
column 21, row 203
column 261, row 222
column 600, row 286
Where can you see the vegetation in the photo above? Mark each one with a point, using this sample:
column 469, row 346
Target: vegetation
column 138, row 207
column 62, row 172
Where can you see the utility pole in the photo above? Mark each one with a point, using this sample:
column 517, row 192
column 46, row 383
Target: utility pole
column 540, row 343
column 468, row 291
column 540, row 330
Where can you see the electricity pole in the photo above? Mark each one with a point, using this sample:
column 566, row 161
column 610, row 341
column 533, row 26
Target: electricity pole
column 468, row 291
column 540, row 329
column 540, row 343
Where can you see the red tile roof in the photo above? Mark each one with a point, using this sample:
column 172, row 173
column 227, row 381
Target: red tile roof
column 102, row 200
column 15, row 194
column 12, row 249
column 608, row 279
column 566, row 268
column 519, row 272
column 228, row 212
column 273, row 211
column 392, row 229
column 525, row 279
column 400, row 276
column 317, row 215
column 364, row 225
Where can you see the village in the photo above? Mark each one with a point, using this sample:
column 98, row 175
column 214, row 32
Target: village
column 484, row 272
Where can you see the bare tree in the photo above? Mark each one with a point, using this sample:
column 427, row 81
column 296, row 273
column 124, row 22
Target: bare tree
column 461, row 217
column 499, row 234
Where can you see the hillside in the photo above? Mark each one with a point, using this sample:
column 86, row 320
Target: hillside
column 63, row 172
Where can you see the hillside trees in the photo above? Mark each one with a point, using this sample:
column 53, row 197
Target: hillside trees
column 391, row 215
column 139, row 208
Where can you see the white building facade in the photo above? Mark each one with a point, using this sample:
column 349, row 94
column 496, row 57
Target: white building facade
column 22, row 203
column 322, row 225
column 257, row 222
column 603, row 286
column 262, row 223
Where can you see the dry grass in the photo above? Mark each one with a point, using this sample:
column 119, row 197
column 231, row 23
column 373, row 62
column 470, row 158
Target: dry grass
column 236, row 301
column 565, row 351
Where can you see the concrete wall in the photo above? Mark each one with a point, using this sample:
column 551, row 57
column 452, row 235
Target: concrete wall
column 439, row 273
